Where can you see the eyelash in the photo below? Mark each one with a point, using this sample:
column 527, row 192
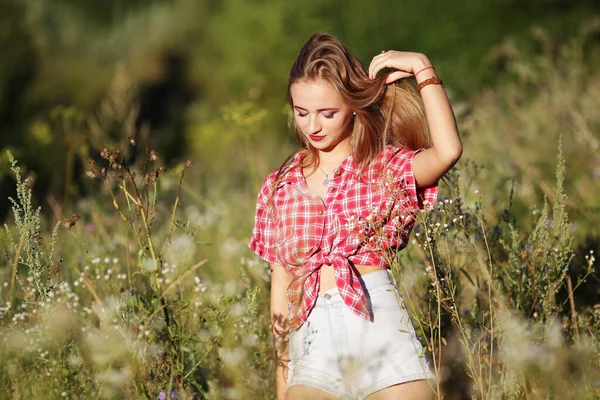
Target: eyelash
column 328, row 116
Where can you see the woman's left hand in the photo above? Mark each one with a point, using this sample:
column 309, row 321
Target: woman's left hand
column 405, row 63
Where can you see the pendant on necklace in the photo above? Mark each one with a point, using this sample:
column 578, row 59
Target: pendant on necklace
column 326, row 181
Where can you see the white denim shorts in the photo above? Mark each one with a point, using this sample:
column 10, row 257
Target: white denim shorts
column 349, row 357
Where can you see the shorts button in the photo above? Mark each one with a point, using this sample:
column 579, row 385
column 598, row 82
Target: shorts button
column 326, row 296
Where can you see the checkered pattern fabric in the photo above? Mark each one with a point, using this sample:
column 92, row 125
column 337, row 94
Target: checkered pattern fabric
column 366, row 216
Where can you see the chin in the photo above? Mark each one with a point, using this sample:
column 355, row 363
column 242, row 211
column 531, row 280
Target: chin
column 323, row 146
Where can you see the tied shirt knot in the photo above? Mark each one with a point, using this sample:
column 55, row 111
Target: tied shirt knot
column 304, row 288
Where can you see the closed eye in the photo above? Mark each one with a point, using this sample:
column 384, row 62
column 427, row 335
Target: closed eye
column 302, row 115
column 330, row 116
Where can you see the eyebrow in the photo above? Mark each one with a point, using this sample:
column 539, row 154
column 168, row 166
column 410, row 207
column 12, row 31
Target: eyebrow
column 320, row 109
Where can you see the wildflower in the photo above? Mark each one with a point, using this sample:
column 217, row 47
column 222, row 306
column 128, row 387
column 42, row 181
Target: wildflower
column 71, row 221
column 180, row 250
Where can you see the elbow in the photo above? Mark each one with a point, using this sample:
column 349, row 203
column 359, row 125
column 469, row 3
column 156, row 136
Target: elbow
column 451, row 155
column 456, row 152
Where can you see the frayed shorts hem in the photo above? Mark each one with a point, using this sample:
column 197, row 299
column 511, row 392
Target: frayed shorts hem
column 393, row 381
column 316, row 383
column 328, row 387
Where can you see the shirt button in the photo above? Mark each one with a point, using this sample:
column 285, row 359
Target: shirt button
column 320, row 212
column 337, row 173
column 327, row 296
column 332, row 189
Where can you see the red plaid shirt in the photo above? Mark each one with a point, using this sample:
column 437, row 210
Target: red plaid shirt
column 365, row 217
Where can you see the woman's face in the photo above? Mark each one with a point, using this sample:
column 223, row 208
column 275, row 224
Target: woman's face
column 321, row 114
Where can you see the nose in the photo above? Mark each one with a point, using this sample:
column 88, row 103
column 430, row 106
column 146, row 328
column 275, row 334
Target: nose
column 314, row 126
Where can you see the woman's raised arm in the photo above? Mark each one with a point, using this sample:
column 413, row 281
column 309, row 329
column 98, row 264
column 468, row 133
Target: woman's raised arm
column 431, row 164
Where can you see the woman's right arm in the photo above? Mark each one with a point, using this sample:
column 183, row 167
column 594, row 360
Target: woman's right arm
column 280, row 281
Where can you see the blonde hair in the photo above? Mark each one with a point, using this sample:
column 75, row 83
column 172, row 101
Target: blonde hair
column 386, row 114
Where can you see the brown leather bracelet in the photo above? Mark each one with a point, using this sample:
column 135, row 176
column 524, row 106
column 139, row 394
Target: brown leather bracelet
column 434, row 80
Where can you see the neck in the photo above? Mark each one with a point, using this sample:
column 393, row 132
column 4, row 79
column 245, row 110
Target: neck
column 335, row 156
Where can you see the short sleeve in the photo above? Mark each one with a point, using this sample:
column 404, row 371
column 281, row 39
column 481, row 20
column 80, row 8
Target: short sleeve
column 262, row 241
column 401, row 166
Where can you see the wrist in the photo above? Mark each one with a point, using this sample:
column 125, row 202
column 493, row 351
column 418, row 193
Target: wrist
column 421, row 62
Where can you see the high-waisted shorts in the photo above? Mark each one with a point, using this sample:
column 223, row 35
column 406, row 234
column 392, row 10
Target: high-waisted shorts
column 349, row 357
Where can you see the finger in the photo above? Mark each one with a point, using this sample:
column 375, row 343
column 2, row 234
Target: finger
column 374, row 61
column 376, row 66
column 396, row 75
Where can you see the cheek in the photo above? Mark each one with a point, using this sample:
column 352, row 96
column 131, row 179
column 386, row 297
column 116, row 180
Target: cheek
column 299, row 122
column 341, row 124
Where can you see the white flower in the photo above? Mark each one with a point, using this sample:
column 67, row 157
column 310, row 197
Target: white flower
column 148, row 265
column 180, row 250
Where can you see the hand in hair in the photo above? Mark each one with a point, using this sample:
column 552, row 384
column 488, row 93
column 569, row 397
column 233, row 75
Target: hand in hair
column 403, row 63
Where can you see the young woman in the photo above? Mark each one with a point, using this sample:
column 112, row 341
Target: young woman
column 331, row 218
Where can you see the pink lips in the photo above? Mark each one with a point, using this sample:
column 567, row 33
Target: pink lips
column 316, row 138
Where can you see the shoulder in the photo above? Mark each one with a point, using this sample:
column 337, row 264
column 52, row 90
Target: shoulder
column 275, row 177
column 400, row 153
column 392, row 157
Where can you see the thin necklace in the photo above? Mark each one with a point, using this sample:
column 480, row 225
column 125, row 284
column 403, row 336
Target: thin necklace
column 326, row 180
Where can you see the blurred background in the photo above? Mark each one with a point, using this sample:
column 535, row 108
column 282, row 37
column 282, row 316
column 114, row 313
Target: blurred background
column 206, row 80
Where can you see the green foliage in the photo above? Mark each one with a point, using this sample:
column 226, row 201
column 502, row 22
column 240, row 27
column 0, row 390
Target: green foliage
column 29, row 249
column 539, row 261
column 487, row 302
column 141, row 325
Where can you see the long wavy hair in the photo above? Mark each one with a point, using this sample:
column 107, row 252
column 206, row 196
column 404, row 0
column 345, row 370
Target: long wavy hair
column 385, row 113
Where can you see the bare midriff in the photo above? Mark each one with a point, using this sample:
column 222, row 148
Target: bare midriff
column 328, row 278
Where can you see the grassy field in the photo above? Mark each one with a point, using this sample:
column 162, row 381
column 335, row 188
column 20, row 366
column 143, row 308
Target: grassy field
column 148, row 289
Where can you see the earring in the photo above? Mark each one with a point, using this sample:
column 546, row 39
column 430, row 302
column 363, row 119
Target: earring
column 354, row 113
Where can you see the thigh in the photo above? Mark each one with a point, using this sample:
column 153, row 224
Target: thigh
column 415, row 390
column 304, row 392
